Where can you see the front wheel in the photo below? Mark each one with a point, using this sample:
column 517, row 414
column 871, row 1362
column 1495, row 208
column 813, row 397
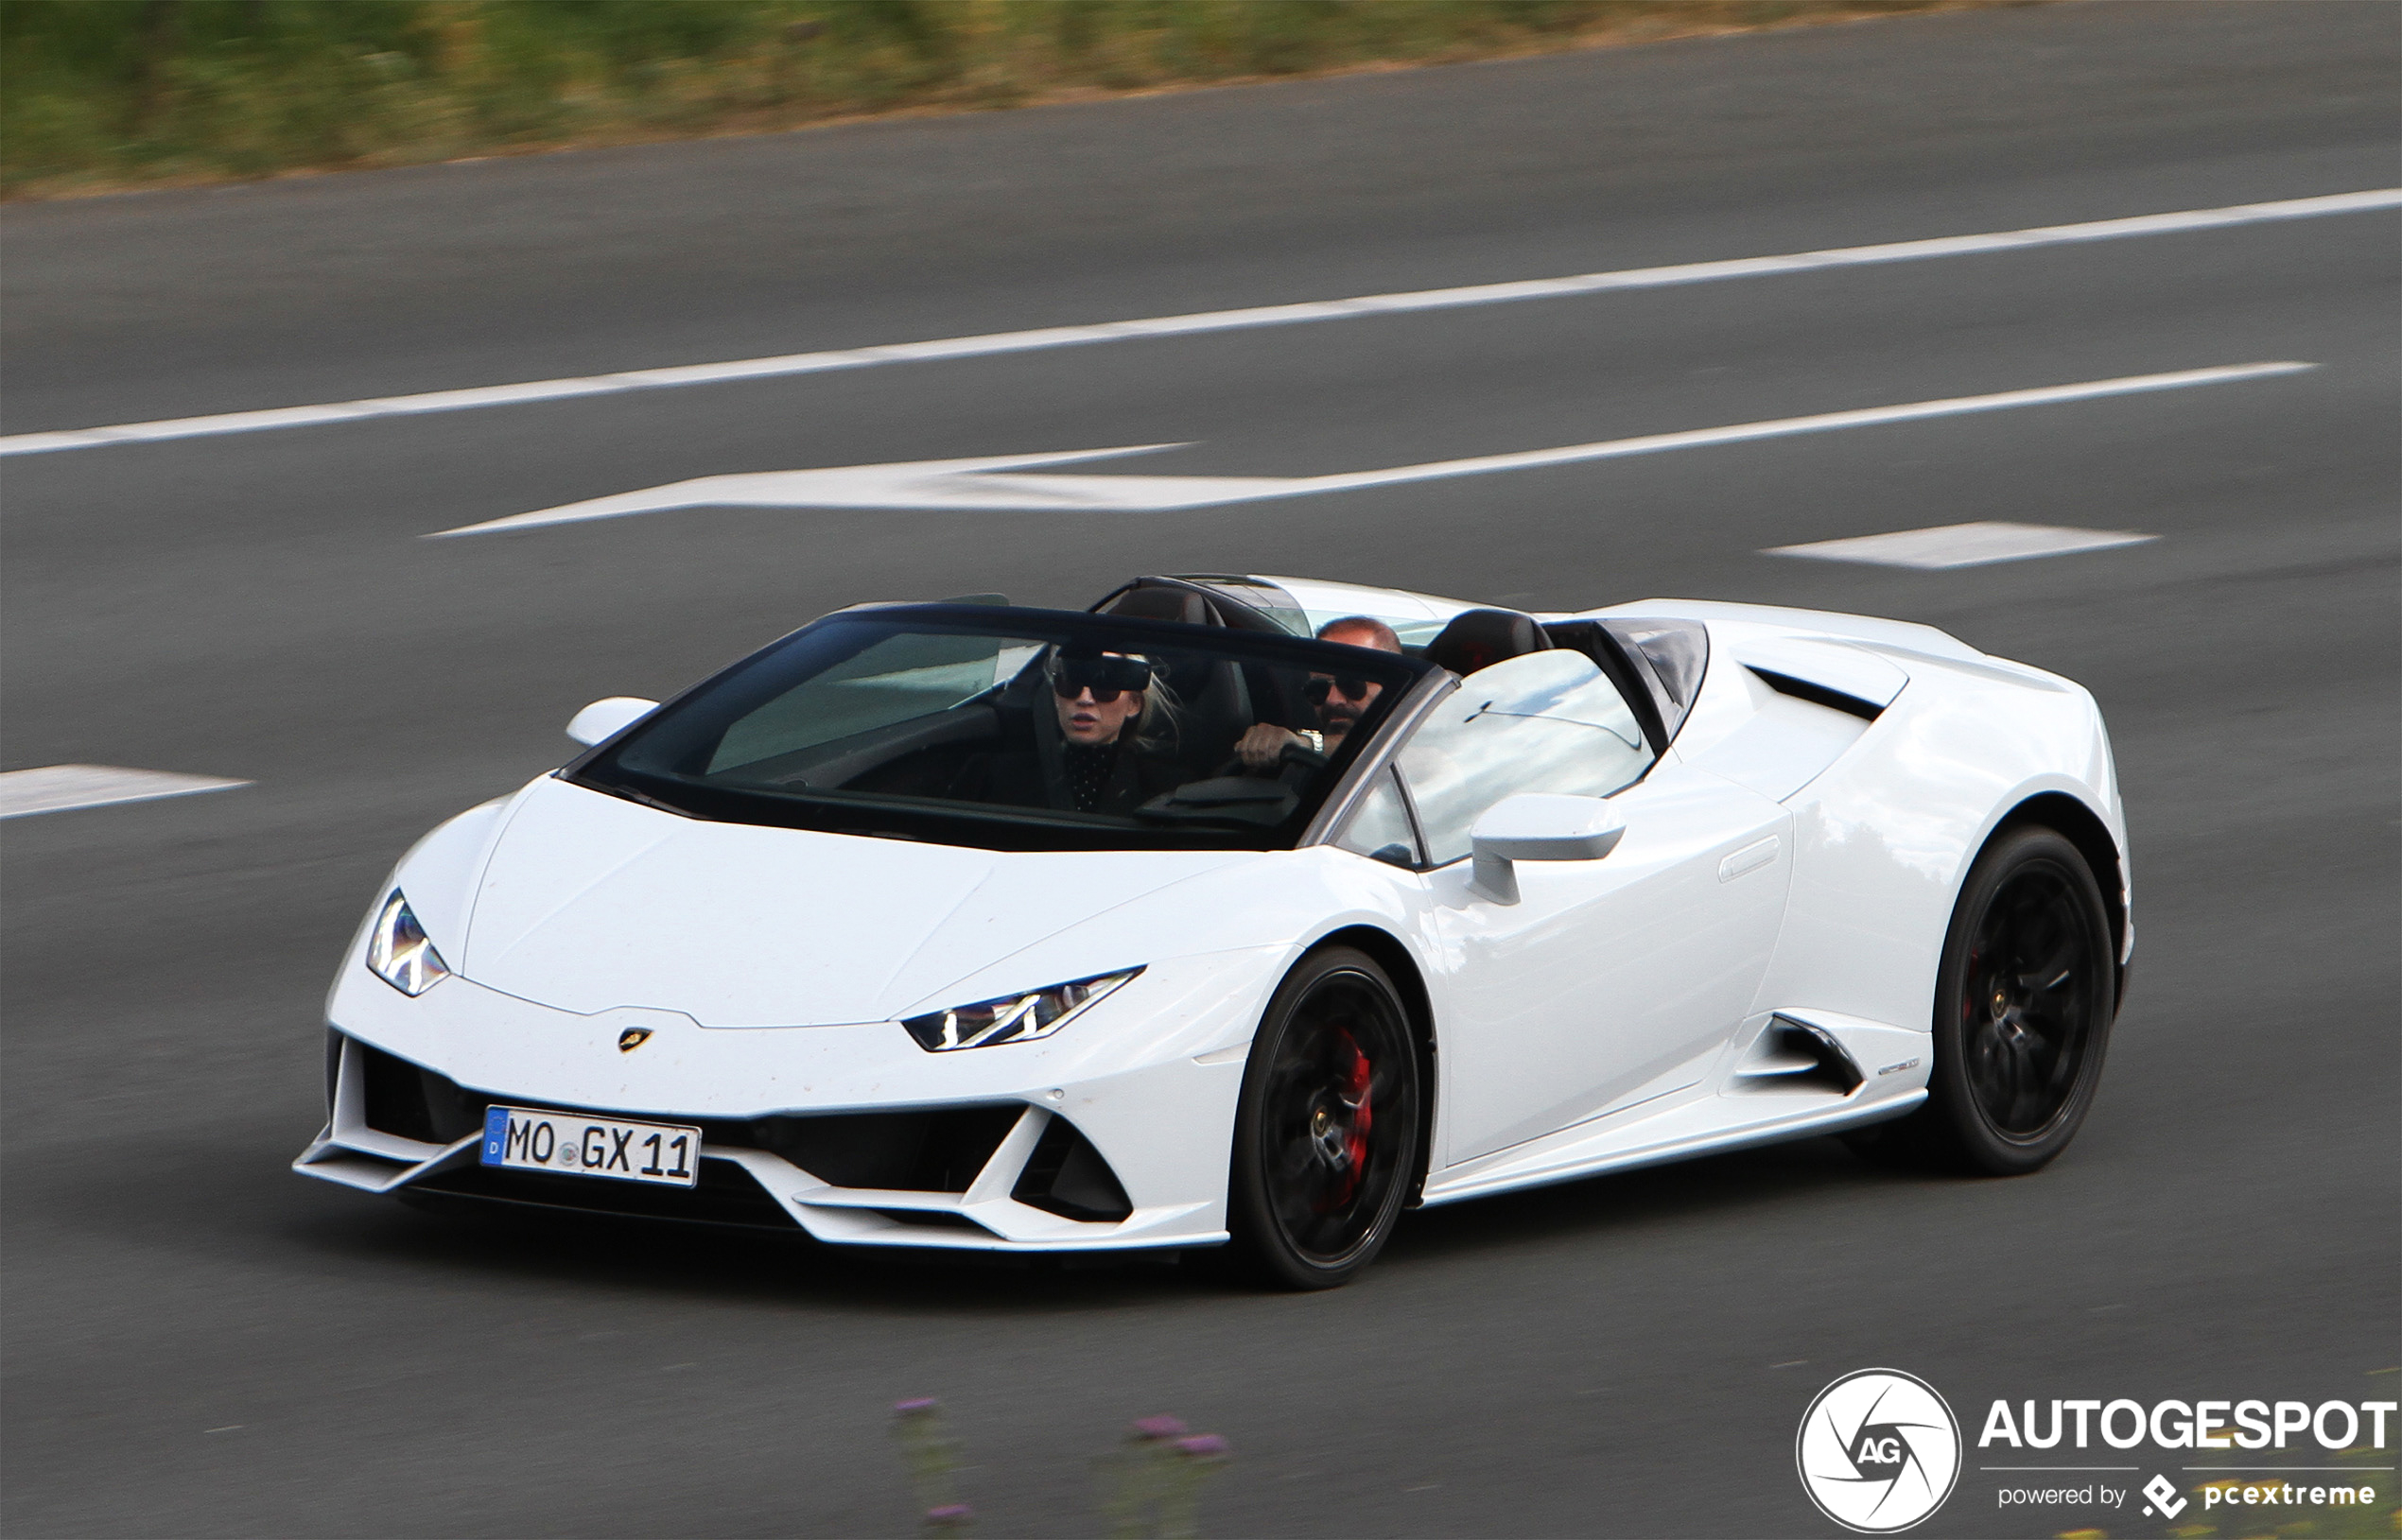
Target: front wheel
column 2023, row 1010
column 1326, row 1136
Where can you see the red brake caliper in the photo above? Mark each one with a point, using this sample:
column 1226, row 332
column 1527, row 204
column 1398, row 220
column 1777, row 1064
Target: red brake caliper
column 1363, row 1117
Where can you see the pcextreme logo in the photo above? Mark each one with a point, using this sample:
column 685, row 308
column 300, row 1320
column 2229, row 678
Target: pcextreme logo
column 1878, row 1450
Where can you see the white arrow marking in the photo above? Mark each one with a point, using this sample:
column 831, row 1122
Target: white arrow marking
column 56, row 789
column 980, row 484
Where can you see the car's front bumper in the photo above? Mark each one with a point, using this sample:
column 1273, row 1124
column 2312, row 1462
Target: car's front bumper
column 1150, row 1087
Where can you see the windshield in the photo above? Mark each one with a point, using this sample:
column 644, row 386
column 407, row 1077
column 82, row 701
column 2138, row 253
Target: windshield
column 1014, row 729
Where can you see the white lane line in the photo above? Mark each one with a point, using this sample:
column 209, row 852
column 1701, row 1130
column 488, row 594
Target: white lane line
column 56, row 789
column 1962, row 545
column 1209, row 320
column 986, row 485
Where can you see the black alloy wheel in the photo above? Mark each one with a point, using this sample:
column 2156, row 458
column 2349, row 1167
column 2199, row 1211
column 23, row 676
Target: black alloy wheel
column 2023, row 1011
column 1326, row 1137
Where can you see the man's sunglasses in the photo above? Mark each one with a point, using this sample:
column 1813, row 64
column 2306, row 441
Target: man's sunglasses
column 1352, row 686
column 1107, row 678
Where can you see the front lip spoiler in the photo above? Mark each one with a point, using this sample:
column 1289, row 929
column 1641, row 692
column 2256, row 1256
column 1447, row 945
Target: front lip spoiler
column 741, row 1202
column 435, row 1200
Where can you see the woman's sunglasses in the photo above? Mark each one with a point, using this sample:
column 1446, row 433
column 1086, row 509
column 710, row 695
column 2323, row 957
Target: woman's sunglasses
column 1107, row 678
column 1352, row 687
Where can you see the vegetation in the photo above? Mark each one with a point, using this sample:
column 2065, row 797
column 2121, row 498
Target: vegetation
column 1150, row 1488
column 96, row 95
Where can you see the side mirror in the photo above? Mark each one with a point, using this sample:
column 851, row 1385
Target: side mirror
column 604, row 720
column 1538, row 826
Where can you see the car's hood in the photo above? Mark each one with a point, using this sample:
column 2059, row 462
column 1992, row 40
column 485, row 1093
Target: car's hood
column 588, row 903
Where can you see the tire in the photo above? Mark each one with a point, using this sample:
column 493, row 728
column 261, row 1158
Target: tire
column 2023, row 1011
column 1326, row 1135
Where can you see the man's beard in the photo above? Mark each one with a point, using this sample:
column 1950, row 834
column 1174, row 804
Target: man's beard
column 1341, row 720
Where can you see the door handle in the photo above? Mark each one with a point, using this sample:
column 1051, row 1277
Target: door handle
column 1749, row 858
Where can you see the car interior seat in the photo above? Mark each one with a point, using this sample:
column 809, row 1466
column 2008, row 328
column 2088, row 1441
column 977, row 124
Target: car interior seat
column 1480, row 638
column 1215, row 699
column 1178, row 604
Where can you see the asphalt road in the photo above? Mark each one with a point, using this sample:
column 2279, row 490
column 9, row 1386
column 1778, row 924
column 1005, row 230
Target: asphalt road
column 199, row 1343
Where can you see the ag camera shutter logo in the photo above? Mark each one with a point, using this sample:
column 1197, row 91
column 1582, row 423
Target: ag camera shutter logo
column 1878, row 1450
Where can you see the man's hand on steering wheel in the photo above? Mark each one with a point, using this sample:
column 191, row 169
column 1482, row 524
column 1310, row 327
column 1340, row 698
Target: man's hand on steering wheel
column 1262, row 746
column 1269, row 750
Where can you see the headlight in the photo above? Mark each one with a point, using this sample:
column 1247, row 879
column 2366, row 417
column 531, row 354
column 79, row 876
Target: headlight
column 398, row 952
column 1016, row 1018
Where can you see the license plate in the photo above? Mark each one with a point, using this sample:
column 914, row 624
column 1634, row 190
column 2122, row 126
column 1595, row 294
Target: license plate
column 529, row 1139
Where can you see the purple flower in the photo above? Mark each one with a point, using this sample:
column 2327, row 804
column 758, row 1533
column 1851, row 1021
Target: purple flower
column 951, row 1512
column 918, row 1408
column 1203, row 1446
column 1162, row 1426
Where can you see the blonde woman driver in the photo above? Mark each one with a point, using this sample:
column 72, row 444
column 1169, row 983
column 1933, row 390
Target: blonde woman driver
column 1111, row 753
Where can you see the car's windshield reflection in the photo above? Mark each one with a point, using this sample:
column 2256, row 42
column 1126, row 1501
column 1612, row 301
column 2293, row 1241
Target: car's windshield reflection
column 1012, row 729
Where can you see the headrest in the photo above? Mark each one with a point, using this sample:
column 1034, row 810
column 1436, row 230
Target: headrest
column 1164, row 604
column 1480, row 638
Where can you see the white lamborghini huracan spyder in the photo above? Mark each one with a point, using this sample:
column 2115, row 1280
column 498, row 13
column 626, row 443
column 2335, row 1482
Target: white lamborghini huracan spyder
column 1170, row 923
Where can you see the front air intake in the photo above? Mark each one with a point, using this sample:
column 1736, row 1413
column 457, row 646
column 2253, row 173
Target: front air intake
column 413, row 1102
column 937, row 1151
column 1066, row 1176
column 933, row 1150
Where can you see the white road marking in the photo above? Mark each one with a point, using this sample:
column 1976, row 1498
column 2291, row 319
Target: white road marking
column 975, row 484
column 1209, row 320
column 54, row 789
column 1963, row 544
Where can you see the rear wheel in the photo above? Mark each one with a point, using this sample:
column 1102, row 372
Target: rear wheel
column 1326, row 1137
column 2023, row 1008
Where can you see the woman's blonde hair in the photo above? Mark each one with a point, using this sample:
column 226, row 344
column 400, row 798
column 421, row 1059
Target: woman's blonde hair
column 1160, row 725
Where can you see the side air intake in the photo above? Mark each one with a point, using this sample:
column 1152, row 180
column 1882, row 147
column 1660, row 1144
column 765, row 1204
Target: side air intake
column 1818, row 695
column 1794, row 1056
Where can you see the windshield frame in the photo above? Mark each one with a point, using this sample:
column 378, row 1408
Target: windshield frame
column 997, row 826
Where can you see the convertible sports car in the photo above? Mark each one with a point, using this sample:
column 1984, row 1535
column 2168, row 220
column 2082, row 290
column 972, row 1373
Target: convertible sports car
column 1244, row 913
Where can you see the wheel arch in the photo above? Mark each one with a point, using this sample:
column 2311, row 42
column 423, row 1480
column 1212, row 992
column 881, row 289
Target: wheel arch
column 1399, row 967
column 2081, row 827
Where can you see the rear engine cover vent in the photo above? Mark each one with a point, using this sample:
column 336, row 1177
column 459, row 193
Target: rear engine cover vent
column 1794, row 1056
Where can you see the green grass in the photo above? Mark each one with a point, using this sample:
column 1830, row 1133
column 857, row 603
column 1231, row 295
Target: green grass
column 96, row 95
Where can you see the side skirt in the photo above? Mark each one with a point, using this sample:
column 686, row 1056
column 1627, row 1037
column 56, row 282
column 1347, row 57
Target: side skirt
column 1696, row 1128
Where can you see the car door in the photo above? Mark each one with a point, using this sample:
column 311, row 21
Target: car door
column 1609, row 983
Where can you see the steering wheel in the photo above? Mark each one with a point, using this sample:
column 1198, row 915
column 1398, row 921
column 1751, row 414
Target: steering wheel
column 1293, row 761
